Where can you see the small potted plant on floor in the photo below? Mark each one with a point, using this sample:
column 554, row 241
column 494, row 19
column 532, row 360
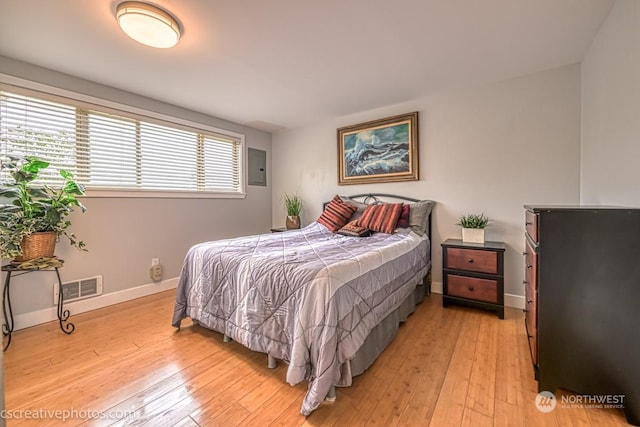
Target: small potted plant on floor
column 473, row 226
column 294, row 206
column 32, row 215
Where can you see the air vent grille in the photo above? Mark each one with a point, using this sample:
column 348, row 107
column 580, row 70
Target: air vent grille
column 79, row 289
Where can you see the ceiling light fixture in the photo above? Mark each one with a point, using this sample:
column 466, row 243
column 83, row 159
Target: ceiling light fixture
column 148, row 24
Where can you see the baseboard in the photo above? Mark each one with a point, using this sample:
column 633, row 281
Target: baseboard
column 33, row 318
column 510, row 300
column 436, row 287
column 515, row 301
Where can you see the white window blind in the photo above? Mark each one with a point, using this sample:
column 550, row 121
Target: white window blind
column 110, row 150
column 32, row 127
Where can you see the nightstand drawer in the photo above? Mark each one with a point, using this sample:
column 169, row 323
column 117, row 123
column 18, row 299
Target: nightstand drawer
column 472, row 260
column 472, row 288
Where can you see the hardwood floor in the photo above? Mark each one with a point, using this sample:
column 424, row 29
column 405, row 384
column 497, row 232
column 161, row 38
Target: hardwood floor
column 446, row 367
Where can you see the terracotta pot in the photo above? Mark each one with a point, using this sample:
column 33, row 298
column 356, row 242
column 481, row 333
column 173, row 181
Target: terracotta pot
column 293, row 222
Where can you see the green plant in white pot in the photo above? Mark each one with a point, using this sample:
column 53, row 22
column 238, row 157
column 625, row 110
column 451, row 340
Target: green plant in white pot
column 32, row 216
column 293, row 204
column 473, row 226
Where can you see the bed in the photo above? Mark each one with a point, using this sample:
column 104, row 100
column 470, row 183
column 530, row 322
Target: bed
column 324, row 303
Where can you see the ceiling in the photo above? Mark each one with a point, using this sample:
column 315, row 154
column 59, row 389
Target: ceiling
column 288, row 63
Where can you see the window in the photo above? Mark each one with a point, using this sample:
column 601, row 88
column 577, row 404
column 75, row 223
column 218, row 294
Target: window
column 111, row 150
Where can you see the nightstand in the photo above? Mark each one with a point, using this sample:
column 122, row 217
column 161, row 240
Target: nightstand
column 278, row 229
column 473, row 274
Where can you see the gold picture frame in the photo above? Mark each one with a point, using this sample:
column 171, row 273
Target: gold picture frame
column 384, row 150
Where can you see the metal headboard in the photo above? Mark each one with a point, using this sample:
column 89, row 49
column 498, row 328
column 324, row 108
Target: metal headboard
column 374, row 196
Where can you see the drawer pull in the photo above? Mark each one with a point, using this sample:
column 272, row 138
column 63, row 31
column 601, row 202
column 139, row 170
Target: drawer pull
column 529, row 301
column 470, row 260
column 529, row 266
column 528, row 223
column 471, row 288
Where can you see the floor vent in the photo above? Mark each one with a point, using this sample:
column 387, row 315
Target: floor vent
column 79, row 289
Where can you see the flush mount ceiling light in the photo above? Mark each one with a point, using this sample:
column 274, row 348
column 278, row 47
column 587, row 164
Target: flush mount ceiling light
column 148, row 24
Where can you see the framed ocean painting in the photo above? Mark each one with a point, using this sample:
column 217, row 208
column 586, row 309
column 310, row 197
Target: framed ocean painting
column 384, row 150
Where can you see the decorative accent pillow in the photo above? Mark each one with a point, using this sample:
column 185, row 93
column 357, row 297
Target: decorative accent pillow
column 336, row 214
column 403, row 221
column 382, row 217
column 354, row 230
column 418, row 214
column 360, row 207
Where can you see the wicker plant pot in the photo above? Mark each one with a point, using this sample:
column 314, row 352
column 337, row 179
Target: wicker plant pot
column 37, row 245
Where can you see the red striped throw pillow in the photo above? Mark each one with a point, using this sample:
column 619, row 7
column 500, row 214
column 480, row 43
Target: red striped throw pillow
column 382, row 217
column 336, row 214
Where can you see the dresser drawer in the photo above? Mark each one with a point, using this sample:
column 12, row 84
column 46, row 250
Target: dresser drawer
column 533, row 344
column 530, row 266
column 531, row 224
column 531, row 321
column 531, row 307
column 472, row 288
column 472, row 260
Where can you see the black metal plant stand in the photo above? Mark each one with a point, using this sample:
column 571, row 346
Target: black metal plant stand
column 7, row 326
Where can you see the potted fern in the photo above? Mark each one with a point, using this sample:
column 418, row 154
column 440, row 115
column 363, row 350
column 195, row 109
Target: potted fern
column 293, row 204
column 33, row 216
column 473, row 226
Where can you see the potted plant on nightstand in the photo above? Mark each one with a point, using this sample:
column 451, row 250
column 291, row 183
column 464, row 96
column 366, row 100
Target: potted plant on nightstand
column 294, row 207
column 473, row 226
column 33, row 216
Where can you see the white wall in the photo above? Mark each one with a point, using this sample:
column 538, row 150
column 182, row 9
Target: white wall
column 124, row 234
column 490, row 149
column 611, row 110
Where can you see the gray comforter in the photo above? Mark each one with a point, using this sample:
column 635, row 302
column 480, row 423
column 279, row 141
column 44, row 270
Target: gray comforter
column 308, row 297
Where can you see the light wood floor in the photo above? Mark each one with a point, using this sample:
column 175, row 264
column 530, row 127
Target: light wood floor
column 446, row 367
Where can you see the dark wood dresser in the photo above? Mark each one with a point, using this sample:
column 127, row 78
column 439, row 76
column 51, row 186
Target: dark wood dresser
column 473, row 274
column 582, row 287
